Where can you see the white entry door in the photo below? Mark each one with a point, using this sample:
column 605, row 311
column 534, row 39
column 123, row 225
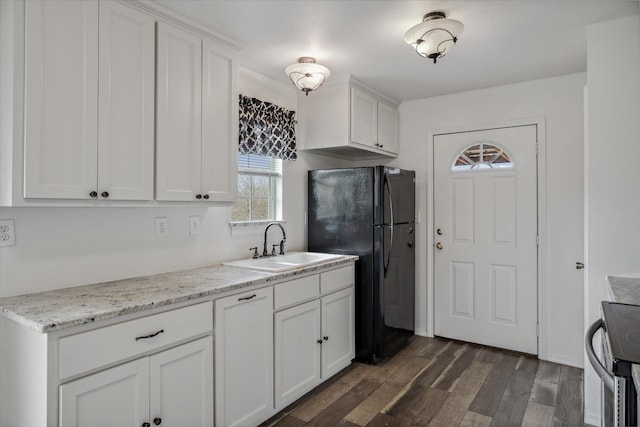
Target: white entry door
column 485, row 220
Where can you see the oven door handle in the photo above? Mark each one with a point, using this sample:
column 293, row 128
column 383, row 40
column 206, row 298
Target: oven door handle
column 601, row 371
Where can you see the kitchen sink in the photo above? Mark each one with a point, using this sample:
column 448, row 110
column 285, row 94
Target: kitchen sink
column 285, row 262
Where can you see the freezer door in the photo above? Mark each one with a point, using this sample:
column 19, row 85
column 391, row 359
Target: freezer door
column 340, row 211
column 398, row 201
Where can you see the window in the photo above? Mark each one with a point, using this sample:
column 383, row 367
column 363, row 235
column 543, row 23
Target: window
column 482, row 156
column 259, row 189
column 266, row 138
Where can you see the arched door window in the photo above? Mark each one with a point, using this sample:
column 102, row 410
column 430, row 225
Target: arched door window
column 482, row 156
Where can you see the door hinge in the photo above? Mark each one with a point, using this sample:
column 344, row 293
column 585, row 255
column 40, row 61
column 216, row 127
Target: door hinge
column 538, row 240
column 537, row 330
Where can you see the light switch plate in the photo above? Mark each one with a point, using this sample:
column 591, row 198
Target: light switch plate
column 194, row 225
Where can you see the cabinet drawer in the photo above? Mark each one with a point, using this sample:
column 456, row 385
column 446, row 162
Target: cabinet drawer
column 336, row 279
column 296, row 291
column 93, row 349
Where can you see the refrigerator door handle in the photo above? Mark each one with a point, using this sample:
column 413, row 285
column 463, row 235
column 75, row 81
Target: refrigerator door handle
column 388, row 260
column 392, row 222
column 386, row 184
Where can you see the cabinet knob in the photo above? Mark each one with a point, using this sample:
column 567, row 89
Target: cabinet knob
column 93, row 194
column 157, row 421
column 206, row 196
column 146, row 425
column 326, row 338
column 198, row 196
column 319, row 341
column 105, row 194
column 410, row 243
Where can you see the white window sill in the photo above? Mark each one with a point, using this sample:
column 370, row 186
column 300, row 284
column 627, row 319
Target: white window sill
column 251, row 228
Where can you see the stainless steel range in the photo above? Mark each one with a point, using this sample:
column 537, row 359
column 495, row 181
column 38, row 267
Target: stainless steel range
column 620, row 350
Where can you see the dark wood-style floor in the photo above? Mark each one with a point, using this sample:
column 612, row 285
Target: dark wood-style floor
column 439, row 382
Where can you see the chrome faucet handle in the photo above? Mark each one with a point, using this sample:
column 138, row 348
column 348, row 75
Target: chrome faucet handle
column 255, row 252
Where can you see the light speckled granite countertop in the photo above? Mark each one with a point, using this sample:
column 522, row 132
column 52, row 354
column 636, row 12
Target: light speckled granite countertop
column 64, row 308
column 625, row 290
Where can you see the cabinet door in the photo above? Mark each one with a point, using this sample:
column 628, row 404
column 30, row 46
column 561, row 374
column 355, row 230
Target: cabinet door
column 364, row 118
column 61, row 90
column 338, row 331
column 181, row 385
column 219, row 122
column 126, row 103
column 244, row 358
column 116, row 397
column 178, row 153
column 297, row 352
column 388, row 127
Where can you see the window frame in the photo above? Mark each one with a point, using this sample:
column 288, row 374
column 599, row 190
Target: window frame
column 274, row 198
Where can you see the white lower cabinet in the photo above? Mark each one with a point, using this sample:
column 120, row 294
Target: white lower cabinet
column 244, row 358
column 173, row 388
column 338, row 331
column 297, row 353
column 315, row 339
column 117, row 396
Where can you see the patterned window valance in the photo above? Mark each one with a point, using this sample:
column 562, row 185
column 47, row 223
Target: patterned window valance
column 266, row 129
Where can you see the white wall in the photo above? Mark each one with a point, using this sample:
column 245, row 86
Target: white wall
column 61, row 247
column 612, row 172
column 560, row 101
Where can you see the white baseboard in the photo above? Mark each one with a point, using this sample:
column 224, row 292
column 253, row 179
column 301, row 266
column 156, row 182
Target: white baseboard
column 421, row 332
column 592, row 418
column 564, row 361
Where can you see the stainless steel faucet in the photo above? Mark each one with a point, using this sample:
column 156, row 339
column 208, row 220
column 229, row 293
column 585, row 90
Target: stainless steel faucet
column 284, row 239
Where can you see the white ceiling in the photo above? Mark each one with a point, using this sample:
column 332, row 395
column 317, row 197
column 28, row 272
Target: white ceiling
column 504, row 41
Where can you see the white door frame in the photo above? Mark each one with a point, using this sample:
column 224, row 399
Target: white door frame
column 539, row 122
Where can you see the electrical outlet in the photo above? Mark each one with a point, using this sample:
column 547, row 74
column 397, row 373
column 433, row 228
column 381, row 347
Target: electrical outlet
column 162, row 227
column 7, row 232
column 194, row 225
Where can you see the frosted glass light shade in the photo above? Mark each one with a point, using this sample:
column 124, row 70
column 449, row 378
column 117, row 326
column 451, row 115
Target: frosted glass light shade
column 433, row 37
column 306, row 75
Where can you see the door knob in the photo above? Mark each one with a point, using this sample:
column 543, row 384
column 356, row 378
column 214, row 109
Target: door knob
column 440, row 231
column 439, row 245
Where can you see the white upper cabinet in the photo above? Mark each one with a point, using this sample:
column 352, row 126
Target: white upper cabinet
column 178, row 162
column 197, row 127
column 387, row 127
column 364, row 118
column 61, row 99
column 126, row 103
column 345, row 118
column 219, row 122
column 79, row 85
column 89, row 101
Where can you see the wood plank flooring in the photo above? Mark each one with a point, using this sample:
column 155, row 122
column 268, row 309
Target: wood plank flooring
column 439, row 382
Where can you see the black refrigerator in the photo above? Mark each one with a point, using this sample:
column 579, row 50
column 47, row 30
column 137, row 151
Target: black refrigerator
column 370, row 212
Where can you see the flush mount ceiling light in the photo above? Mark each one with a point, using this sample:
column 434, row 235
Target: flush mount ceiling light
column 307, row 75
column 434, row 36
